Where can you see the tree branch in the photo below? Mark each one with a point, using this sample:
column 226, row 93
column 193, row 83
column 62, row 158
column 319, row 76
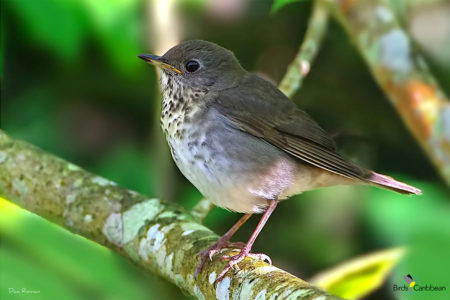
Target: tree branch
column 402, row 74
column 159, row 237
column 301, row 64
column 202, row 209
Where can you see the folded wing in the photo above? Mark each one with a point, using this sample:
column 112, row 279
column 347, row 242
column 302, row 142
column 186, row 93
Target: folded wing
column 260, row 109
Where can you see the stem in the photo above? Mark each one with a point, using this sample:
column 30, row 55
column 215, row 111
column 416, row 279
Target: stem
column 301, row 64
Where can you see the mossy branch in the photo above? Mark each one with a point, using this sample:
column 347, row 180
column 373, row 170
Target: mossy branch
column 202, row 209
column 161, row 238
column 402, row 73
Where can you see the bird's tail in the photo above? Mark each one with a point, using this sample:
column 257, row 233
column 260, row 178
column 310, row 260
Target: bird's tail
column 392, row 184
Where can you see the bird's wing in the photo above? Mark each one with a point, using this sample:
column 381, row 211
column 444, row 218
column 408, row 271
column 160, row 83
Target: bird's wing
column 260, row 109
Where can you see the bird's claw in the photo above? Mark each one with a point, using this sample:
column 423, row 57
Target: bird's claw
column 234, row 260
column 213, row 250
column 258, row 256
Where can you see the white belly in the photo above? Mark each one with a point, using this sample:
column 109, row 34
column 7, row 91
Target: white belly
column 235, row 170
column 243, row 187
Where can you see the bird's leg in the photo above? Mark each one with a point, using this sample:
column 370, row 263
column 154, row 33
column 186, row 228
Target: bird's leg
column 221, row 243
column 234, row 260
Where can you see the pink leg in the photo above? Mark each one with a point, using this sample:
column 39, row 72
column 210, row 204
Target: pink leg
column 246, row 250
column 222, row 243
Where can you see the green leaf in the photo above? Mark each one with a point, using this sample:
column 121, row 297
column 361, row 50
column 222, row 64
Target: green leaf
column 41, row 256
column 56, row 25
column 358, row 277
column 277, row 4
column 117, row 27
column 422, row 223
column 63, row 26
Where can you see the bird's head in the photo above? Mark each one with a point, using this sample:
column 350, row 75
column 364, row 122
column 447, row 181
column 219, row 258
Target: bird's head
column 199, row 64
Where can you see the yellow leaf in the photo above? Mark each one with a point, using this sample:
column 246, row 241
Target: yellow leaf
column 358, row 277
column 9, row 211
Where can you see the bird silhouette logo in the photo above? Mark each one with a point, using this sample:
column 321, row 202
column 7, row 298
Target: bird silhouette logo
column 410, row 282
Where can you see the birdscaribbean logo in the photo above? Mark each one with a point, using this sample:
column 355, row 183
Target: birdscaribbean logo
column 412, row 285
column 411, row 282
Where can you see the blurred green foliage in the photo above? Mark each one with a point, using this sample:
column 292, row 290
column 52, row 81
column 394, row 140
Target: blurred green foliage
column 422, row 224
column 62, row 27
column 73, row 86
column 278, row 4
column 40, row 256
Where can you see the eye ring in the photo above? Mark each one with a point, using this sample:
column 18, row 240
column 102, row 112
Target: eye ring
column 192, row 66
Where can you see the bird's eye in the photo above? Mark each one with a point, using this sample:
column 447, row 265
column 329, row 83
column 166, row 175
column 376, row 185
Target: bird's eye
column 192, row 66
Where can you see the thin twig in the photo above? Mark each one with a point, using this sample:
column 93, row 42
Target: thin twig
column 301, row 64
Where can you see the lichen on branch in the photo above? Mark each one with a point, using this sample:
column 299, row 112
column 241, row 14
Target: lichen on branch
column 402, row 73
column 161, row 238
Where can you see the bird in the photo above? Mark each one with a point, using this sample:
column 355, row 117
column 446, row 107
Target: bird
column 242, row 143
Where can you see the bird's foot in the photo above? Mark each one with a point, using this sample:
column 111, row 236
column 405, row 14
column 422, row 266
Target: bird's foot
column 213, row 250
column 234, row 260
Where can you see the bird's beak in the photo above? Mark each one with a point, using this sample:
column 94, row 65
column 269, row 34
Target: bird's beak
column 156, row 60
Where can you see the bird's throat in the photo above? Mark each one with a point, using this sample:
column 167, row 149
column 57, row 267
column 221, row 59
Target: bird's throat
column 179, row 105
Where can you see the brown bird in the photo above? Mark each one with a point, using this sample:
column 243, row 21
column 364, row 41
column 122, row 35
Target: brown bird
column 242, row 142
